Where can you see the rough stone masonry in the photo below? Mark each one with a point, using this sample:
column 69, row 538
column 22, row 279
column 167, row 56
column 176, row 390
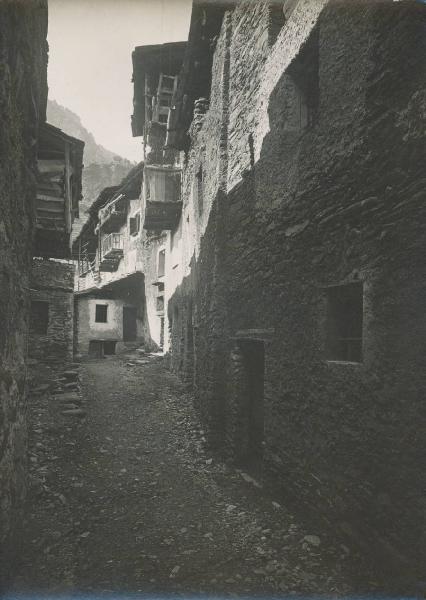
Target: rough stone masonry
column 311, row 247
column 23, row 97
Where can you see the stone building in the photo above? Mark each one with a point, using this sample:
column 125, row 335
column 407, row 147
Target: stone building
column 296, row 312
column 60, row 163
column 155, row 76
column 110, row 296
column 23, row 96
column 52, row 312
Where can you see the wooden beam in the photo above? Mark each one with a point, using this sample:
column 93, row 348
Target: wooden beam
column 51, row 166
column 58, row 210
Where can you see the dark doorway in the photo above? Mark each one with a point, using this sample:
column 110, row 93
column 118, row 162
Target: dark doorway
column 129, row 324
column 253, row 354
column 109, row 348
column 189, row 346
column 161, row 333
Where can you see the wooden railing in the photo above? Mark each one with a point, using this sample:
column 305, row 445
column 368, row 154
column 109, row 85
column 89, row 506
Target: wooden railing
column 112, row 244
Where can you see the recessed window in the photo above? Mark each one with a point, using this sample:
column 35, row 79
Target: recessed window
column 160, row 303
column 303, row 85
column 39, row 318
column 345, row 307
column 135, row 224
column 161, row 263
column 200, row 190
column 101, row 315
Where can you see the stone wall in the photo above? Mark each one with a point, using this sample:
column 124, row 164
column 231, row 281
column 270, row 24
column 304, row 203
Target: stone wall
column 335, row 199
column 23, row 92
column 52, row 282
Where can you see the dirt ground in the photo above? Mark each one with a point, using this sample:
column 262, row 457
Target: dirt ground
column 125, row 497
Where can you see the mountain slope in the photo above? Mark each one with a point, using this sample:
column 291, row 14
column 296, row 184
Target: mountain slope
column 69, row 122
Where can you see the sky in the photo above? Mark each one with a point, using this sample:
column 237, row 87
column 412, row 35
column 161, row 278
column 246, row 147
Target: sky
column 90, row 59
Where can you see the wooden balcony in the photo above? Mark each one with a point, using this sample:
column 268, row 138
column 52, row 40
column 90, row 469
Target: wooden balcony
column 162, row 215
column 113, row 215
column 111, row 252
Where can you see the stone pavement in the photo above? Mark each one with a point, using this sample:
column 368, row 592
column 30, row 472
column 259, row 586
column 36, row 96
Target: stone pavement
column 126, row 497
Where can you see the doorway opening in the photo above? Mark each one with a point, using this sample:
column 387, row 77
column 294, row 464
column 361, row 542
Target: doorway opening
column 161, row 333
column 129, row 324
column 253, row 363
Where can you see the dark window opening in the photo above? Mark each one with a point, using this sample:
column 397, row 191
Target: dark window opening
column 161, row 263
column 160, row 303
column 101, row 315
column 304, row 73
column 39, row 319
column 162, row 332
column 163, row 118
column 276, row 21
column 167, row 82
column 200, row 190
column 134, row 224
column 344, row 322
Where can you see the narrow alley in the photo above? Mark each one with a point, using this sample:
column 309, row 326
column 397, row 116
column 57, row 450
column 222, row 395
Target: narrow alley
column 125, row 497
column 212, row 291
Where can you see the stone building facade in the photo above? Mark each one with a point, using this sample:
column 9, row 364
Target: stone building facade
column 23, row 97
column 59, row 164
column 52, row 311
column 297, row 311
column 110, row 288
column 155, row 76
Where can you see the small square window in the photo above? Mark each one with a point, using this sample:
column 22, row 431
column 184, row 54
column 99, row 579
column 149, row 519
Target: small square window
column 345, row 322
column 39, row 318
column 134, row 224
column 101, row 315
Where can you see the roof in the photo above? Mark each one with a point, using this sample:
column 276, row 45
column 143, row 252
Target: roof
column 161, row 58
column 48, row 130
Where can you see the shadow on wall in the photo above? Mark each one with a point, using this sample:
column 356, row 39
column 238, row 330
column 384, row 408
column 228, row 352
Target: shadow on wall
column 335, row 198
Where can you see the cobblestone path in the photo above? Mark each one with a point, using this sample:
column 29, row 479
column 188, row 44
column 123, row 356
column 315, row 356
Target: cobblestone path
column 127, row 498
